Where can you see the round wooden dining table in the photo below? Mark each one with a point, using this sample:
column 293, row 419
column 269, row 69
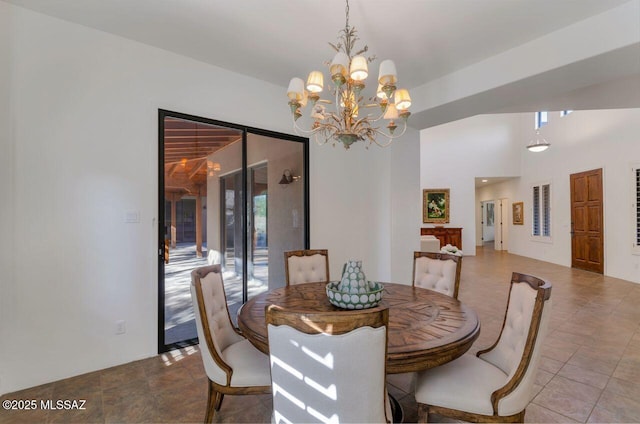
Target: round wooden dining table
column 426, row 328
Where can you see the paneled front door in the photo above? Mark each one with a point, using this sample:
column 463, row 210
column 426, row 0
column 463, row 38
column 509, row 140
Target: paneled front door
column 587, row 231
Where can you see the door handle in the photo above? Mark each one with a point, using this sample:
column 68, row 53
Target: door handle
column 166, row 251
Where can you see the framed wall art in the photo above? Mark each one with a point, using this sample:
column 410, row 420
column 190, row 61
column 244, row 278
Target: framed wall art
column 435, row 206
column 518, row 213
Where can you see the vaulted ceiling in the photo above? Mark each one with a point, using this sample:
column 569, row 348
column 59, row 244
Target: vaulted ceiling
column 459, row 58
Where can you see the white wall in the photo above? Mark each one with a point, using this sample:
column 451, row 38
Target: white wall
column 406, row 205
column 6, row 187
column 85, row 130
column 581, row 141
column 350, row 208
column 85, row 107
column 453, row 154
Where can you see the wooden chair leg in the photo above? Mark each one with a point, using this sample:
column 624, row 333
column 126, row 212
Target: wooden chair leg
column 219, row 398
column 211, row 404
column 423, row 413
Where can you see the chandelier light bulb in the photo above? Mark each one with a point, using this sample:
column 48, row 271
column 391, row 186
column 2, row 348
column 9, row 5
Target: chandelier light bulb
column 387, row 74
column 402, row 98
column 339, row 66
column 359, row 68
column 295, row 92
column 380, row 93
column 391, row 112
column 315, row 82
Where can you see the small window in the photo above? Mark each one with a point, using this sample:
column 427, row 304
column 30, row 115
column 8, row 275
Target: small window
column 541, row 119
column 565, row 112
column 541, row 213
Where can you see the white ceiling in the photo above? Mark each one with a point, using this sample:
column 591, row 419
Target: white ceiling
column 274, row 40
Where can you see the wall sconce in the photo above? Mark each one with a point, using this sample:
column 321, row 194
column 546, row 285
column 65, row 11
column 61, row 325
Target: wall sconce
column 288, row 178
column 212, row 167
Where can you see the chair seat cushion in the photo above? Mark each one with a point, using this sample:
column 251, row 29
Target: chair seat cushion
column 250, row 366
column 464, row 384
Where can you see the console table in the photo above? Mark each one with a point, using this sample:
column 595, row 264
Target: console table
column 446, row 235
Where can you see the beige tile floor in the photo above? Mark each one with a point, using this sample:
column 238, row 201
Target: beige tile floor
column 590, row 370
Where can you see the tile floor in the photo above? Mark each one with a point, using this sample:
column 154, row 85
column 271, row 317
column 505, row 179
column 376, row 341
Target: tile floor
column 590, row 370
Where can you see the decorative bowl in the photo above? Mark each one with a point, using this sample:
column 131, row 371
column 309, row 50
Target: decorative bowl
column 362, row 300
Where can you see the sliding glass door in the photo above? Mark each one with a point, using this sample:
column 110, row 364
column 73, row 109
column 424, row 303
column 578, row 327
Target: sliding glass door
column 223, row 200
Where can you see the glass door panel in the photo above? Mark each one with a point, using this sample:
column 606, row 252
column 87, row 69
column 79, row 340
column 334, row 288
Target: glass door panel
column 232, row 241
column 222, row 201
column 189, row 217
column 276, row 207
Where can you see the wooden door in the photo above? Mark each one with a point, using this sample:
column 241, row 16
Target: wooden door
column 587, row 232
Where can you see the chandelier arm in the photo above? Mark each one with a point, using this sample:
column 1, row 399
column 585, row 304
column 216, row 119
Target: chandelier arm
column 379, row 116
column 389, row 137
column 301, row 131
column 318, row 142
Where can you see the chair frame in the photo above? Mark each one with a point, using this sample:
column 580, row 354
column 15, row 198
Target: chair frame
column 332, row 323
column 543, row 289
column 303, row 253
column 441, row 257
column 217, row 391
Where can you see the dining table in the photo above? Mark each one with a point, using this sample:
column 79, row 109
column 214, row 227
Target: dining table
column 426, row 328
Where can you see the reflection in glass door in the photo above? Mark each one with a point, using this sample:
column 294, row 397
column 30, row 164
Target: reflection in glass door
column 232, row 240
column 258, row 264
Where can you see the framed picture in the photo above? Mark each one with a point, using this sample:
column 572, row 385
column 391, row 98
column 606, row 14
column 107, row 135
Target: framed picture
column 435, row 206
column 518, row 213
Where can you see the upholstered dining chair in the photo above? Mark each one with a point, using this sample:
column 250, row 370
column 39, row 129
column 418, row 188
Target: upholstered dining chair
column 232, row 364
column 306, row 266
column 437, row 271
column 496, row 385
column 328, row 366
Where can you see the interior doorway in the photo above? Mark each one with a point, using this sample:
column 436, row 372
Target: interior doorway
column 587, row 224
column 488, row 222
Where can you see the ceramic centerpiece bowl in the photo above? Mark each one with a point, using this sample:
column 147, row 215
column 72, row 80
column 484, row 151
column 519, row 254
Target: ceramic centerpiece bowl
column 364, row 300
column 353, row 291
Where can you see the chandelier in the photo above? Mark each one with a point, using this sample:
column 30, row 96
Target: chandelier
column 348, row 123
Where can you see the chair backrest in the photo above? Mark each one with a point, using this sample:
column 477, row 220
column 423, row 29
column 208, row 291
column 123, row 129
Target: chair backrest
column 306, row 266
column 517, row 350
column 215, row 330
column 437, row 271
column 328, row 366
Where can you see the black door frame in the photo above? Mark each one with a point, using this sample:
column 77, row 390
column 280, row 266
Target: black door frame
column 162, row 114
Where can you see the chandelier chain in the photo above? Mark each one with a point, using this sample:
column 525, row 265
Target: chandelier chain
column 347, row 14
